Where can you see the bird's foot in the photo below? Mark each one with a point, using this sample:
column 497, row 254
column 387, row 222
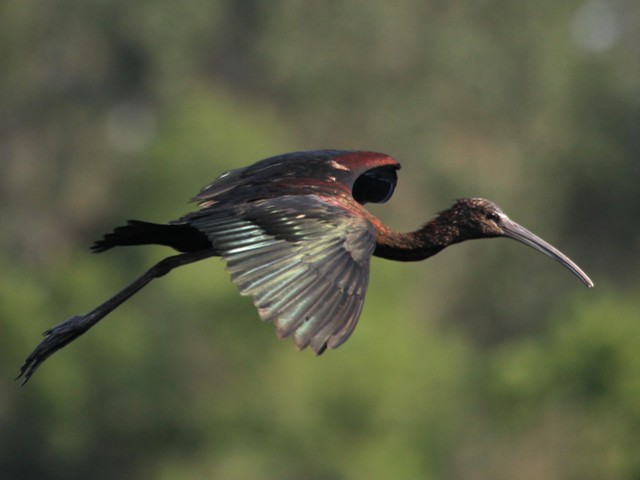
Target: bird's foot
column 54, row 339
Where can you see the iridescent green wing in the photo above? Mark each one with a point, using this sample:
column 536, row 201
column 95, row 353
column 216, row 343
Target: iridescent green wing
column 304, row 261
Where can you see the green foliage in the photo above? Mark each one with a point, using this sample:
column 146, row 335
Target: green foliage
column 575, row 388
column 487, row 361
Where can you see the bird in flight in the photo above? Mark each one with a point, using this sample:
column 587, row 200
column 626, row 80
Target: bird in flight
column 296, row 237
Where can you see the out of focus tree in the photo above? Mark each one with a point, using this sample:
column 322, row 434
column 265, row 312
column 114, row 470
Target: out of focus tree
column 487, row 361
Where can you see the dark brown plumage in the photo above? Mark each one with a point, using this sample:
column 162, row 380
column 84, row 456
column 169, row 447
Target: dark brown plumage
column 296, row 237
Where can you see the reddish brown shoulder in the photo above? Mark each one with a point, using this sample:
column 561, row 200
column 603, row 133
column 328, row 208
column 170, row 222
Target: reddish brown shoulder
column 360, row 161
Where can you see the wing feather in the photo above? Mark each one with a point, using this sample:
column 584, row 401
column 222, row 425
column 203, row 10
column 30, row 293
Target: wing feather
column 321, row 340
column 277, row 273
column 310, row 317
column 352, row 314
column 304, row 261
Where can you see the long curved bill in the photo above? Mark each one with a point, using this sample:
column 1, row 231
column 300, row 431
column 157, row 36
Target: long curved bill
column 517, row 232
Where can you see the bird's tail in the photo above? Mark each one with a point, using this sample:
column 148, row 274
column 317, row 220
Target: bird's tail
column 181, row 237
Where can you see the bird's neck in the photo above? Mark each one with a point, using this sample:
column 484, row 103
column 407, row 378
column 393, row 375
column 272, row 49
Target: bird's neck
column 418, row 245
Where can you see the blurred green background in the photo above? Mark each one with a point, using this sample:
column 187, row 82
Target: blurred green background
column 488, row 361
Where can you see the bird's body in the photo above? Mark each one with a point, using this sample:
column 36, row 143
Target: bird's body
column 296, row 237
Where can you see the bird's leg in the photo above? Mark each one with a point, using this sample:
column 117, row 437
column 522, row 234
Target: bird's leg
column 65, row 332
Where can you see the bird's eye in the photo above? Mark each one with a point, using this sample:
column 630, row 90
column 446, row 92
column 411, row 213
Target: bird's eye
column 492, row 216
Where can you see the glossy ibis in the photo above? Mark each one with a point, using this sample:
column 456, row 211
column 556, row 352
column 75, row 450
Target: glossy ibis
column 296, row 237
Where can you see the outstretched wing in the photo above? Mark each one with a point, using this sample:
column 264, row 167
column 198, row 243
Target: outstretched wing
column 304, row 261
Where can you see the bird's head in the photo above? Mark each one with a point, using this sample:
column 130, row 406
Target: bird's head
column 479, row 218
column 476, row 218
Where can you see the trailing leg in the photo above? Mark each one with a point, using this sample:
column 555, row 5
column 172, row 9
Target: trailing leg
column 66, row 332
